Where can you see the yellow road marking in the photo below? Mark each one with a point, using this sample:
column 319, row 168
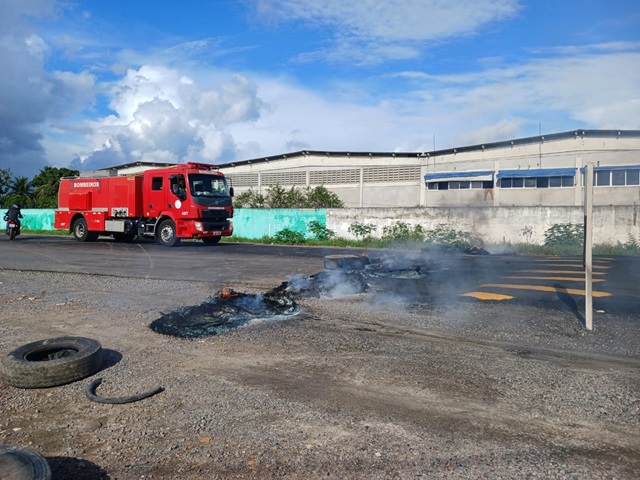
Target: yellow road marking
column 541, row 288
column 487, row 296
column 570, row 272
column 578, row 264
column 567, row 259
column 566, row 279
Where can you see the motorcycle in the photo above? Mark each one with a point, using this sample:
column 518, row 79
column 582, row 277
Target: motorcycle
column 13, row 229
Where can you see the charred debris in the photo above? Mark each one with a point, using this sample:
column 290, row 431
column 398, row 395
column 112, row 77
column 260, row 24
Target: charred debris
column 404, row 274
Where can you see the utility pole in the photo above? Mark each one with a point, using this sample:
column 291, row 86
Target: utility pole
column 588, row 244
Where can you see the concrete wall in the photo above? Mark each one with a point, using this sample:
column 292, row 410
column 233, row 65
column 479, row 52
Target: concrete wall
column 491, row 224
column 496, row 224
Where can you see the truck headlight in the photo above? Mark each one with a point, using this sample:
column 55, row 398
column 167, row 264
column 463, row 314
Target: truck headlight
column 198, row 226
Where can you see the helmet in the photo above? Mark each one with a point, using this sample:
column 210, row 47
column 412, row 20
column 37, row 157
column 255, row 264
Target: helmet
column 16, row 205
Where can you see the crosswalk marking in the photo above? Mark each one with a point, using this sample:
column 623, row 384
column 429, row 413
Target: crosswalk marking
column 542, row 288
column 565, row 279
column 562, row 272
column 487, row 296
column 568, row 264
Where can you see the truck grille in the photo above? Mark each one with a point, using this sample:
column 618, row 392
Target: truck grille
column 215, row 215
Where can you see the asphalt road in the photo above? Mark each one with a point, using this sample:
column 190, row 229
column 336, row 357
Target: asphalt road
column 551, row 282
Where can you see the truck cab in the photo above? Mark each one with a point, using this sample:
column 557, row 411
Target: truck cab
column 189, row 201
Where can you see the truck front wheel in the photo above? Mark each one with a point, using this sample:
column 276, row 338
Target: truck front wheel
column 81, row 231
column 167, row 234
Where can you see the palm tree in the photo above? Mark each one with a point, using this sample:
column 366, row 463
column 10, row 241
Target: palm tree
column 20, row 191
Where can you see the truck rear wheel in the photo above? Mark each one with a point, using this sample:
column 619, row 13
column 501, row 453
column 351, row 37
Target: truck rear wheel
column 167, row 234
column 81, row 231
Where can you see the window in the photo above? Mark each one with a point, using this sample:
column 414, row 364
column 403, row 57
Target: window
column 555, row 182
column 535, row 182
column 432, row 186
column 601, row 178
column 156, row 183
column 459, row 185
column 617, row 177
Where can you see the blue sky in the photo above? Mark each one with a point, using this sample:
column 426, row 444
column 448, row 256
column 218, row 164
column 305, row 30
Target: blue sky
column 97, row 83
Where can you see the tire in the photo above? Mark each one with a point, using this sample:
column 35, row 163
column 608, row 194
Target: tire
column 23, row 464
column 12, row 233
column 167, row 234
column 81, row 230
column 51, row 362
column 211, row 240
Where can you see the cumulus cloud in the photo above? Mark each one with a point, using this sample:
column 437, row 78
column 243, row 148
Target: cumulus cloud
column 371, row 31
column 31, row 96
column 163, row 115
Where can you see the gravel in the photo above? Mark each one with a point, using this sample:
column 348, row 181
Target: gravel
column 361, row 387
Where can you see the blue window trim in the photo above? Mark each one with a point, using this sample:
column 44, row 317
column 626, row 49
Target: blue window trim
column 617, row 167
column 453, row 175
column 539, row 172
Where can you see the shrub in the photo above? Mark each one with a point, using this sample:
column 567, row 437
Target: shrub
column 564, row 234
column 361, row 230
column 289, row 237
column 402, row 231
column 449, row 237
column 320, row 231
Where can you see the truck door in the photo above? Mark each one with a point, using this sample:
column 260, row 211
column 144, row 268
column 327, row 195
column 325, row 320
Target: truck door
column 155, row 201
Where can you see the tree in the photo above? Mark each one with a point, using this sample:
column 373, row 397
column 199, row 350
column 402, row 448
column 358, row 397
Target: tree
column 46, row 185
column 5, row 182
column 20, row 191
column 321, row 197
column 280, row 197
column 249, row 199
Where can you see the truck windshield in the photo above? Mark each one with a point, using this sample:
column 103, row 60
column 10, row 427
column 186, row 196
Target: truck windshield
column 202, row 185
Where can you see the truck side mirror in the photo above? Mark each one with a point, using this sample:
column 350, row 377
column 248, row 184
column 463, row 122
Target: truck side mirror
column 175, row 189
column 231, row 191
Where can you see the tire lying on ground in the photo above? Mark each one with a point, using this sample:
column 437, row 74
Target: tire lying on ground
column 51, row 362
column 22, row 464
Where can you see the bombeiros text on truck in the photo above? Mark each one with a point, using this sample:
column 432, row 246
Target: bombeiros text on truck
column 189, row 200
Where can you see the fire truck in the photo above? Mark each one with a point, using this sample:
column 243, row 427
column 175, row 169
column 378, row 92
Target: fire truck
column 189, row 200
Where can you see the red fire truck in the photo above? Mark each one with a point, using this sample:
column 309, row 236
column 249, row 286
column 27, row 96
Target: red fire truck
column 189, row 200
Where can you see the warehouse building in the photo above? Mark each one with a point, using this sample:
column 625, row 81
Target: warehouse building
column 544, row 170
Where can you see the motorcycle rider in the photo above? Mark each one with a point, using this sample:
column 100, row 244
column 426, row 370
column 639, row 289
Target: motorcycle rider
column 13, row 214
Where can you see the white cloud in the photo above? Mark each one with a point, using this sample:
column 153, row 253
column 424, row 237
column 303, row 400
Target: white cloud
column 371, row 31
column 161, row 114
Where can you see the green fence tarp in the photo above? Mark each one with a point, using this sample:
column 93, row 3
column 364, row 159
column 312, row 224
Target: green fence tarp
column 37, row 218
column 252, row 223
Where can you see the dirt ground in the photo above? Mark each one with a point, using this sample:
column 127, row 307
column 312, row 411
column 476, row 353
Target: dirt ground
column 358, row 387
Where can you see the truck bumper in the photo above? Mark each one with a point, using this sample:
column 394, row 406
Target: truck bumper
column 199, row 229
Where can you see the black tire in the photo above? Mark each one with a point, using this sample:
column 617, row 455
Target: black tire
column 51, row 362
column 211, row 240
column 18, row 463
column 124, row 237
column 167, row 234
column 12, row 233
column 81, row 230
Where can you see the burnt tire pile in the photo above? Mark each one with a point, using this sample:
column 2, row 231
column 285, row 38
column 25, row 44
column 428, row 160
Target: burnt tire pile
column 51, row 362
